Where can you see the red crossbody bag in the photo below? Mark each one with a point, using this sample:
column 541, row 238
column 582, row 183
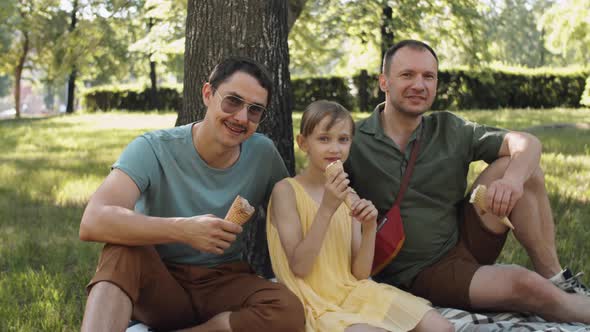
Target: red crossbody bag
column 390, row 231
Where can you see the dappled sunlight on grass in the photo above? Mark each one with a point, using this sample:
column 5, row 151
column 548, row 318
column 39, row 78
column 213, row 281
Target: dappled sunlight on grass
column 526, row 118
column 48, row 170
column 45, row 298
column 124, row 120
column 76, row 192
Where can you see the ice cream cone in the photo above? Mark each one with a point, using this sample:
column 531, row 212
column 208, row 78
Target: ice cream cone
column 334, row 168
column 240, row 211
column 478, row 198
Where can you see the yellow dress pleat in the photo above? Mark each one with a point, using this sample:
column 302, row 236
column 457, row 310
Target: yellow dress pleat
column 333, row 298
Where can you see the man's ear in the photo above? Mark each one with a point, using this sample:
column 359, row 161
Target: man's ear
column 301, row 142
column 383, row 82
column 207, row 93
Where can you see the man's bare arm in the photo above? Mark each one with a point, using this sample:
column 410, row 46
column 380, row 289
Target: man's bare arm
column 524, row 151
column 110, row 218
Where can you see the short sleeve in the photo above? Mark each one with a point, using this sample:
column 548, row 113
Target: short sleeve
column 486, row 142
column 139, row 162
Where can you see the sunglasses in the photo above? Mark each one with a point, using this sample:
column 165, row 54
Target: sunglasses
column 231, row 104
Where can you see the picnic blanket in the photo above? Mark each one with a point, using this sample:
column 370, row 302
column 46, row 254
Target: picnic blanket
column 465, row 321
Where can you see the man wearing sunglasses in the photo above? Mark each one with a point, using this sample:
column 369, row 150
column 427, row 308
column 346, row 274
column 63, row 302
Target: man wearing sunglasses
column 170, row 260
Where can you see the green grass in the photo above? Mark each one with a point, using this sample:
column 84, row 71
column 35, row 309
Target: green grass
column 50, row 167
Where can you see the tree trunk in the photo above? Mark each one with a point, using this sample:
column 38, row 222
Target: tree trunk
column 386, row 31
column 153, row 97
column 71, row 91
column 216, row 29
column 72, row 78
column 18, row 73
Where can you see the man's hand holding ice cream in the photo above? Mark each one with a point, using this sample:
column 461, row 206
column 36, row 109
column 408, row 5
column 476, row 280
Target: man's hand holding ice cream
column 212, row 234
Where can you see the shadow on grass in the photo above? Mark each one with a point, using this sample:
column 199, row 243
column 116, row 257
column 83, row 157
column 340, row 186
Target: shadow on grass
column 43, row 265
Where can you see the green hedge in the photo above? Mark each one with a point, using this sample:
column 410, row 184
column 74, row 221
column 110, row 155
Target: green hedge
column 132, row 98
column 487, row 89
column 307, row 90
column 457, row 89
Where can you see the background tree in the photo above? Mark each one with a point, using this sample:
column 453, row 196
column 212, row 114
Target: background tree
column 164, row 38
column 24, row 24
column 94, row 47
column 72, row 76
column 344, row 36
column 567, row 27
column 512, row 33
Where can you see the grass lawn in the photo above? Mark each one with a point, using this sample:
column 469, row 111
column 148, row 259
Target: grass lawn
column 50, row 167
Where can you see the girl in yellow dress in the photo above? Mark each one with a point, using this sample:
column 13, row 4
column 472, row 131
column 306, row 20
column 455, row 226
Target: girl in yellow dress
column 322, row 250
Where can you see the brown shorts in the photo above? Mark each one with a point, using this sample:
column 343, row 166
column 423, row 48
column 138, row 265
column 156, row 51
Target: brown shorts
column 174, row 296
column 446, row 283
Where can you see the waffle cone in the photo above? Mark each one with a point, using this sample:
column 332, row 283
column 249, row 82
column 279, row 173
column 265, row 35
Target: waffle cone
column 240, row 211
column 478, row 198
column 334, row 168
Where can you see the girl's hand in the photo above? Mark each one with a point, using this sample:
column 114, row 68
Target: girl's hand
column 365, row 212
column 336, row 190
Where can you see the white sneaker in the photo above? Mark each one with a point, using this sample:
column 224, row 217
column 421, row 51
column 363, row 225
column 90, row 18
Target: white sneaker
column 569, row 282
column 138, row 327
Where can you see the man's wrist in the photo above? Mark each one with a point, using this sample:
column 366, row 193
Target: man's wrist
column 176, row 233
column 514, row 179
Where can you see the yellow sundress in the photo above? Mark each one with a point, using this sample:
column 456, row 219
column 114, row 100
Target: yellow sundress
column 332, row 297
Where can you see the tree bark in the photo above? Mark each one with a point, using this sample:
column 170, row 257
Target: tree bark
column 72, row 79
column 216, row 29
column 18, row 73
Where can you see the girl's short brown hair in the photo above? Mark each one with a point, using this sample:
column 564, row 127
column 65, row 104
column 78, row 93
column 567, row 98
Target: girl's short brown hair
column 315, row 112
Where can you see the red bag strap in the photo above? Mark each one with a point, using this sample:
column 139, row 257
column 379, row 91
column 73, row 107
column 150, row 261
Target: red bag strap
column 408, row 173
column 406, row 178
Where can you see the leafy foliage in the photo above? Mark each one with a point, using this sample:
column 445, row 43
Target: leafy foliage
column 342, row 37
column 568, row 26
column 163, row 40
column 513, row 33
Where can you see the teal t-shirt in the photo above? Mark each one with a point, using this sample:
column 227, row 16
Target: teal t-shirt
column 175, row 182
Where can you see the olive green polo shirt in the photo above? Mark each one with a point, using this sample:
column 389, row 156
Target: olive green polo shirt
column 430, row 206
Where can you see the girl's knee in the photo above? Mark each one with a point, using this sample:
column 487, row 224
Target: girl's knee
column 434, row 321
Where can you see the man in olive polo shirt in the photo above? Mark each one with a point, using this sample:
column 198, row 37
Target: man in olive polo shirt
column 450, row 248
